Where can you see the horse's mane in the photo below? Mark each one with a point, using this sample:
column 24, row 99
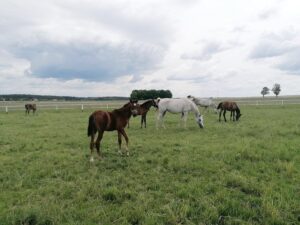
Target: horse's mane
column 147, row 104
column 195, row 108
column 124, row 108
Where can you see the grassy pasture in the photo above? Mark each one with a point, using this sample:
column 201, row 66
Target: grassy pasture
column 228, row 173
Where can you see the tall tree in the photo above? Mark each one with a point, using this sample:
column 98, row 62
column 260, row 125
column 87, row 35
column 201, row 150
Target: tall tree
column 265, row 91
column 276, row 89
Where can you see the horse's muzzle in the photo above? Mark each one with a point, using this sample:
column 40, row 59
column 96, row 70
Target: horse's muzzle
column 134, row 112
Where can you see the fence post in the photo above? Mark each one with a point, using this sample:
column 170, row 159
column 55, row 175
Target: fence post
column 6, row 109
column 282, row 102
column 256, row 103
column 82, row 108
column 56, row 107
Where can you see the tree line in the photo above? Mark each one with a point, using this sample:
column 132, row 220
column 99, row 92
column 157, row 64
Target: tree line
column 150, row 94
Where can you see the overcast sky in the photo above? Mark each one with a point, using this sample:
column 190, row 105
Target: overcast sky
column 108, row 48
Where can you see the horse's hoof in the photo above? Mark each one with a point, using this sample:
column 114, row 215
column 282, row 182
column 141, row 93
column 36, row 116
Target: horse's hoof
column 120, row 152
column 127, row 153
column 91, row 159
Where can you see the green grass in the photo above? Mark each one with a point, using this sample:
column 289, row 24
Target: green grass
column 228, row 173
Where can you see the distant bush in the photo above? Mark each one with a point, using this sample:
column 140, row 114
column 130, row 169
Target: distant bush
column 150, row 94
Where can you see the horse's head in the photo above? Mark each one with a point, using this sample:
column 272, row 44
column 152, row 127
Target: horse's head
column 200, row 121
column 154, row 104
column 191, row 97
column 134, row 107
column 238, row 115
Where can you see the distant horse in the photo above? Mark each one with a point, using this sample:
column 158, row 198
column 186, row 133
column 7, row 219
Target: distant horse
column 204, row 102
column 143, row 110
column 232, row 107
column 29, row 107
column 101, row 121
column 180, row 105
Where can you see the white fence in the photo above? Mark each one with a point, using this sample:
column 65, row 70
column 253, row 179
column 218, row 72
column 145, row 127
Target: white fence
column 268, row 102
column 7, row 106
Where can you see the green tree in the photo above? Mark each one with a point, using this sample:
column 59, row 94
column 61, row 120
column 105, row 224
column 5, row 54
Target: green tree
column 265, row 91
column 276, row 89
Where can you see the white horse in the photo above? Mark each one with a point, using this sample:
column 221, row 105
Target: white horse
column 177, row 105
column 204, row 102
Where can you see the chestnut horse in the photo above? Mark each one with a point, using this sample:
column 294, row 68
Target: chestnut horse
column 143, row 110
column 101, row 121
column 230, row 106
column 29, row 107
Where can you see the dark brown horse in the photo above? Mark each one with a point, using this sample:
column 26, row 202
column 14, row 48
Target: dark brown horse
column 101, row 121
column 143, row 110
column 29, row 107
column 230, row 106
column 127, row 104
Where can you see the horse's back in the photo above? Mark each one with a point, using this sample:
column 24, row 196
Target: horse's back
column 204, row 101
column 229, row 105
column 175, row 105
column 104, row 120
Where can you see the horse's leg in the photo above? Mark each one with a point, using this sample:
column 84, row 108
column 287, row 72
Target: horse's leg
column 224, row 115
column 230, row 115
column 142, row 120
column 159, row 120
column 126, row 139
column 185, row 115
column 163, row 121
column 119, row 142
column 206, row 109
column 220, row 113
column 99, row 138
column 233, row 116
column 92, row 147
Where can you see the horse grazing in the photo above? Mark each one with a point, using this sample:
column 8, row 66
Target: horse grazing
column 101, row 121
column 143, row 110
column 180, row 105
column 204, row 102
column 230, row 106
column 29, row 107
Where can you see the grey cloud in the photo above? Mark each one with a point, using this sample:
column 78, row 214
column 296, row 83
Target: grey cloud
column 268, row 49
column 206, row 53
column 266, row 14
column 274, row 44
column 291, row 62
column 140, row 25
column 96, row 62
column 190, row 78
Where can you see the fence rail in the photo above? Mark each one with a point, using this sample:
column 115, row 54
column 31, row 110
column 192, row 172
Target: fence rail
column 7, row 106
column 60, row 105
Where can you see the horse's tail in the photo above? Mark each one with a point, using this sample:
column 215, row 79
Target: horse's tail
column 220, row 105
column 92, row 126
